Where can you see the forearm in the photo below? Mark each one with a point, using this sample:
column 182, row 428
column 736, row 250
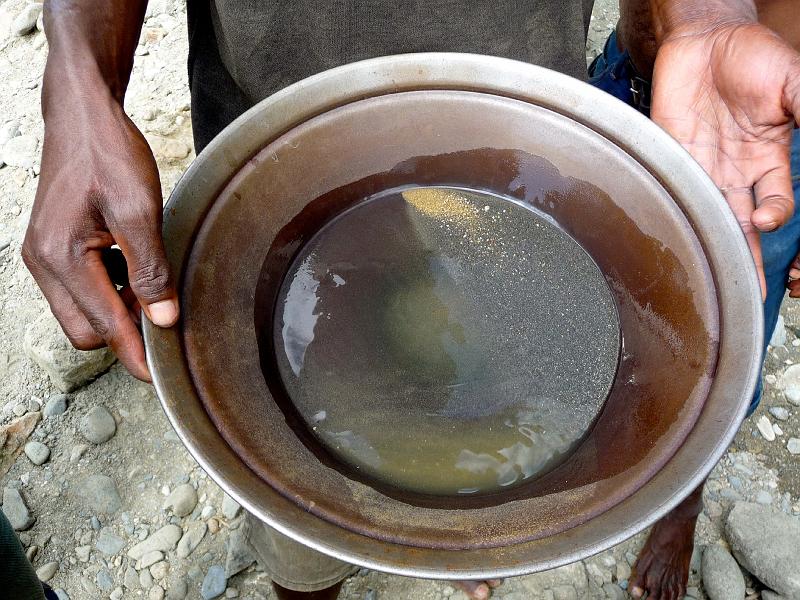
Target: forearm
column 92, row 43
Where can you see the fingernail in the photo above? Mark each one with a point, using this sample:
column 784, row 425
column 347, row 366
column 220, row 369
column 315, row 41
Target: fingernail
column 163, row 313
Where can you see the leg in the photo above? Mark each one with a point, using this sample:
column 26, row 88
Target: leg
column 17, row 577
column 662, row 568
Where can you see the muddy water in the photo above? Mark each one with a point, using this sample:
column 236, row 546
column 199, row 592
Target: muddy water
column 438, row 340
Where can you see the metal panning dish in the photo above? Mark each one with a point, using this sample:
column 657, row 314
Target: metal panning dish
column 673, row 256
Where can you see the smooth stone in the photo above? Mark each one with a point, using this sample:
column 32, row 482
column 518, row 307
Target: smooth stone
column 98, row 425
column 764, row 497
column 159, row 570
column 145, row 579
column 167, row 148
column 47, row 345
column 55, row 406
column 178, row 588
column 778, row 337
column 230, row 508
column 612, row 591
column 100, row 494
column 207, row 512
column 150, row 558
column 793, row 445
column 116, row 594
column 164, row 540
column 131, row 579
column 37, row 452
column 25, row 21
column 15, row 510
column 182, row 500
column 156, row 593
column 722, row 578
column 765, row 428
column 82, row 552
column 770, row 595
column 108, row 542
column 77, row 452
column 238, row 556
column 46, row 572
column 104, row 580
column 191, row 538
column 214, row 583
column 20, row 151
column 790, row 383
column 779, row 413
column 765, row 542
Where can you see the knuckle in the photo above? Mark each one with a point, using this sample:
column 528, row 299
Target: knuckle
column 151, row 280
column 82, row 339
column 104, row 328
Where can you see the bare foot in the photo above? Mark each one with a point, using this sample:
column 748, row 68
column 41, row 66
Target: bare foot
column 662, row 568
column 478, row 590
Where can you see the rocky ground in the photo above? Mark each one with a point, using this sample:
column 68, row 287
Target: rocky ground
column 108, row 503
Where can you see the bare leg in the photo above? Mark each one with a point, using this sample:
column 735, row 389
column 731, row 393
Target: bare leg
column 662, row 568
column 330, row 593
column 478, row 590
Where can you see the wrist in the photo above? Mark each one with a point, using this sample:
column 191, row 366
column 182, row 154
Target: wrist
column 674, row 18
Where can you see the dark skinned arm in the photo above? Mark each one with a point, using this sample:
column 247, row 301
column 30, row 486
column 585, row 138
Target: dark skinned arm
column 98, row 185
column 728, row 89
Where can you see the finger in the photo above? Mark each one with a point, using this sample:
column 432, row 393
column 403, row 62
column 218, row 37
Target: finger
column 774, row 197
column 98, row 300
column 116, row 265
column 794, row 289
column 149, row 273
column 740, row 201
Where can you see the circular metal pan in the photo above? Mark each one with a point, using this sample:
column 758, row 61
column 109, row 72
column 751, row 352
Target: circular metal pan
column 646, row 213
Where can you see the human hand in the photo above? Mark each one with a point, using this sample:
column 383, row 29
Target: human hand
column 99, row 187
column 730, row 94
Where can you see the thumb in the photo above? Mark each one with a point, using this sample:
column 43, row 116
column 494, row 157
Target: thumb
column 149, row 273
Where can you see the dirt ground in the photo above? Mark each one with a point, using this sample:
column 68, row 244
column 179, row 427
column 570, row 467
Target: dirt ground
column 144, row 457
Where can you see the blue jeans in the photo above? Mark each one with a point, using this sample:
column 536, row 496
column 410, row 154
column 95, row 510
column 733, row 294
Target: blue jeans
column 612, row 72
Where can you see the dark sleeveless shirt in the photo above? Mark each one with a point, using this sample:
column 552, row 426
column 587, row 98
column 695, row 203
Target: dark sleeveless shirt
column 241, row 51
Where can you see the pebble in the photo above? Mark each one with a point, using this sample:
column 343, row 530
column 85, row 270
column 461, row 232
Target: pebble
column 55, row 406
column 208, row 512
column 82, row 552
column 46, row 572
column 20, row 409
column 150, row 558
column 46, row 344
column 178, row 588
column 230, row 508
column 213, row 526
column 116, row 594
column 108, row 542
column 31, row 553
column 765, row 427
column 765, row 542
column 777, row 429
column 15, row 510
column 238, row 554
column 182, row 500
column 25, row 21
column 764, row 497
column 37, row 452
column 790, row 383
column 104, row 580
column 214, row 583
column 770, row 595
column 20, row 151
column 131, row 579
column 156, row 593
column 722, row 578
column 77, row 452
column 164, row 540
column 145, row 579
column 191, row 538
column 168, row 148
column 61, row 594
column 10, row 129
column 612, row 591
column 100, row 494
column 159, row 570
column 779, row 412
column 793, row 445
column 98, row 426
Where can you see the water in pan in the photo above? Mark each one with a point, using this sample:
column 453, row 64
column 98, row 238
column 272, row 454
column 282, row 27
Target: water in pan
column 446, row 341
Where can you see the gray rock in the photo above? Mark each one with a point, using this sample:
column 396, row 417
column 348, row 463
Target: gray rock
column 104, row 580
column 46, row 344
column 150, row 558
column 37, row 452
column 159, row 570
column 612, row 591
column 793, row 445
column 55, row 406
column 77, row 452
column 117, row 594
column 10, row 129
column 214, row 583
column 61, row 594
column 100, row 494
column 182, row 500
column 230, row 508
column 108, row 542
column 790, row 384
column 164, row 540
column 779, row 413
column 207, row 512
column 15, row 510
column 145, row 579
column 131, row 579
column 765, row 542
column 239, row 556
column 722, row 578
column 564, row 592
column 178, row 588
column 98, row 426
column 20, row 151
column 764, row 497
column 156, row 593
column 25, row 21
column 82, row 552
column 770, row 595
column 46, row 572
column 191, row 538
